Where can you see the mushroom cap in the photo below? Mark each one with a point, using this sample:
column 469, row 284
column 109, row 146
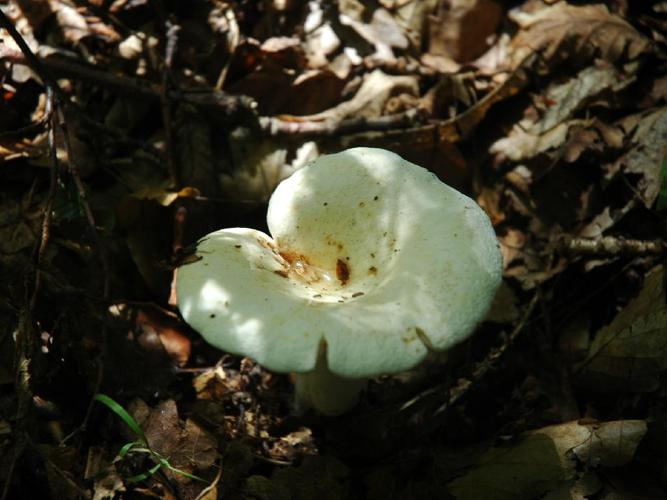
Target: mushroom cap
column 372, row 258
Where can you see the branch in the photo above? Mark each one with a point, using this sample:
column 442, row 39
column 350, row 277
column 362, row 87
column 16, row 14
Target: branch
column 66, row 68
column 220, row 101
column 611, row 246
column 277, row 127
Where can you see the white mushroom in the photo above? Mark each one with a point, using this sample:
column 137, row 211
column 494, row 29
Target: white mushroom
column 373, row 262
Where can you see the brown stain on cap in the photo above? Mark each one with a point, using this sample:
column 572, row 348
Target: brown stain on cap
column 342, row 271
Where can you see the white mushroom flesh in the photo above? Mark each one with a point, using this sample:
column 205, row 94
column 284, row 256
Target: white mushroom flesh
column 372, row 258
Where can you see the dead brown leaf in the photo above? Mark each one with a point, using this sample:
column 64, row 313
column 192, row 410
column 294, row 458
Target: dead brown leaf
column 548, row 460
column 460, row 29
column 549, row 120
column 597, row 137
column 383, row 33
column 370, row 99
column 647, row 154
column 631, row 352
column 169, row 330
column 565, row 31
column 72, row 23
column 259, row 164
column 280, row 81
column 188, row 446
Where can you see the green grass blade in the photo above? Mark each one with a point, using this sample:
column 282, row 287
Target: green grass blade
column 144, row 475
column 123, row 414
column 182, row 472
column 128, row 446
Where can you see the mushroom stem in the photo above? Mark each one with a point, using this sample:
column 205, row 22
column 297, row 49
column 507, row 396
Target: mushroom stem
column 325, row 391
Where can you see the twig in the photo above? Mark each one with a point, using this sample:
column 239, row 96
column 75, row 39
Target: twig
column 165, row 101
column 103, row 13
column 25, row 341
column 32, row 128
column 452, row 129
column 172, row 31
column 53, row 184
column 611, row 246
column 82, row 493
column 229, row 104
column 211, row 488
column 454, row 394
column 56, row 98
column 104, row 261
column 277, row 127
column 66, row 68
column 492, row 358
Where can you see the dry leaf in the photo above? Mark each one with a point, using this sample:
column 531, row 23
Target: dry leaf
column 260, row 164
column 73, row 25
column 560, row 102
column 461, row 28
column 321, row 477
column 107, row 480
column 594, row 136
column 545, row 460
column 504, row 307
column 631, row 352
column 168, row 329
column 188, row 446
column 382, row 32
column 280, row 81
column 647, row 154
column 163, row 196
column 566, row 31
column 520, row 144
column 370, row 99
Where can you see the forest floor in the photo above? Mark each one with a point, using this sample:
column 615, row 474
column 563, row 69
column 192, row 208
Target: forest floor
column 131, row 128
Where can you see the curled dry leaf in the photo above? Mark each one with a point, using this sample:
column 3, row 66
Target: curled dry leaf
column 594, row 136
column 383, row 33
column 564, row 31
column 260, row 164
column 73, row 25
column 297, row 443
column 370, row 99
column 558, row 105
column 175, row 343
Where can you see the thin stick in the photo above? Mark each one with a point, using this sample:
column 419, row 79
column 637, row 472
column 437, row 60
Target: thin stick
column 454, row 394
column 25, row 341
column 165, row 101
column 611, row 246
column 56, row 98
column 277, row 127
column 492, row 358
